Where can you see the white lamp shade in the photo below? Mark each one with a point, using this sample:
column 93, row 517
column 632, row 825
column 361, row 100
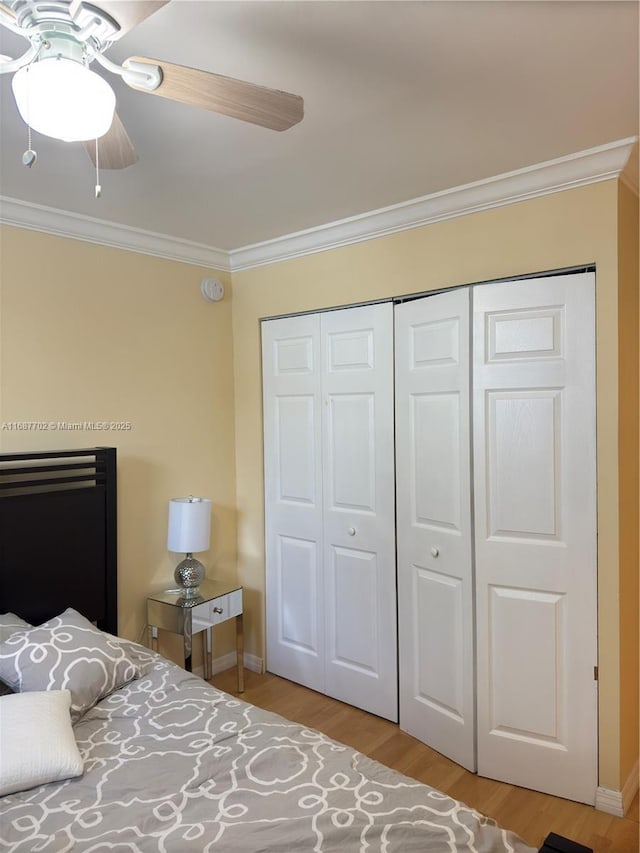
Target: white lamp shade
column 62, row 98
column 189, row 525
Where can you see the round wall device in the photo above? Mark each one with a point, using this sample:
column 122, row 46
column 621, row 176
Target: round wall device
column 212, row 289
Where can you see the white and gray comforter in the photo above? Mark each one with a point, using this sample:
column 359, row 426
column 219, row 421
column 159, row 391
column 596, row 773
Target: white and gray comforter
column 172, row 764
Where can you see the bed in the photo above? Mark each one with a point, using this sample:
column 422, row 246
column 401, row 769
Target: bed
column 163, row 761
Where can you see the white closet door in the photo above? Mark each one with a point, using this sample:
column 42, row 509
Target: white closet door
column 359, row 510
column 535, row 522
column 293, row 498
column 435, row 583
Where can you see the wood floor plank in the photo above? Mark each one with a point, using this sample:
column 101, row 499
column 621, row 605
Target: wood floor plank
column 529, row 813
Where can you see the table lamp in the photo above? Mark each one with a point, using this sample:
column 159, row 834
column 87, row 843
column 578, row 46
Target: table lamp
column 189, row 529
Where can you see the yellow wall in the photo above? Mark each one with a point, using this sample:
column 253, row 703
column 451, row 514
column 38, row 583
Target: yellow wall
column 89, row 333
column 561, row 230
column 629, row 504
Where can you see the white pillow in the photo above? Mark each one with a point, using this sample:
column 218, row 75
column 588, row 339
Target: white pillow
column 37, row 744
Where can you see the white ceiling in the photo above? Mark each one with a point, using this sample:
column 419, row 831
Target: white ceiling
column 402, row 99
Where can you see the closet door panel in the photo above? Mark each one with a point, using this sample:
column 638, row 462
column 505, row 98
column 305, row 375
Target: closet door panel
column 523, row 446
column 296, row 570
column 535, row 521
column 355, row 603
column 351, row 451
column 434, row 524
column 293, row 499
column 359, row 508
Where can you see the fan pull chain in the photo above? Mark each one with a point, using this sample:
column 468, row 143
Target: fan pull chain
column 30, row 156
column 98, row 187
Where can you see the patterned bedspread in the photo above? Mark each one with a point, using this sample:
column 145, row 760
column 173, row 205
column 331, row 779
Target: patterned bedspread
column 172, row 764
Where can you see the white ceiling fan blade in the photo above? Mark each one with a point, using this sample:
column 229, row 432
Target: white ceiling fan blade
column 115, row 149
column 129, row 13
column 260, row 105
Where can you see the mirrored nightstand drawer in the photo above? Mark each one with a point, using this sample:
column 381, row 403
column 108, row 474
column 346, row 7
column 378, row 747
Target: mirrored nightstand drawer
column 219, row 609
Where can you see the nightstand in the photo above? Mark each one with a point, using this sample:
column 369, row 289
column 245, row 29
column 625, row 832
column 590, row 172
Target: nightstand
column 217, row 602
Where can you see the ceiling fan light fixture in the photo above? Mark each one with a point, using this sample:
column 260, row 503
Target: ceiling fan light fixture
column 64, row 99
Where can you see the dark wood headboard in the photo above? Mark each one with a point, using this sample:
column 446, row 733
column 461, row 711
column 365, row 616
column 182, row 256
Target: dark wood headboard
column 58, row 534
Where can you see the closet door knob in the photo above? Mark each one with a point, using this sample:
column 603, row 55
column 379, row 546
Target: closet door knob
column 435, row 552
column 351, row 531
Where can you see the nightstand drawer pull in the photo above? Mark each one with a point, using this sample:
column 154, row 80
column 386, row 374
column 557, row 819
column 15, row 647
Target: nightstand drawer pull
column 218, row 609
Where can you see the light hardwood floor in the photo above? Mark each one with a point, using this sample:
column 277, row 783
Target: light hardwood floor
column 530, row 814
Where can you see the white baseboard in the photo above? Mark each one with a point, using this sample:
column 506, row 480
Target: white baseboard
column 609, row 801
column 220, row 664
column 255, row 664
column 617, row 802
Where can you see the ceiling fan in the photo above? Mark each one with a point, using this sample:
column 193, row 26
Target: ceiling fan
column 57, row 93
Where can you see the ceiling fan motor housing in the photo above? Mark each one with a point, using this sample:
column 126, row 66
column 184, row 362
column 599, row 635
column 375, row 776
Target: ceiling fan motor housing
column 48, row 20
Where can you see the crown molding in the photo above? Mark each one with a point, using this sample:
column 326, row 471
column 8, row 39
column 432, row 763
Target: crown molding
column 614, row 160
column 62, row 223
column 629, row 176
column 575, row 170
